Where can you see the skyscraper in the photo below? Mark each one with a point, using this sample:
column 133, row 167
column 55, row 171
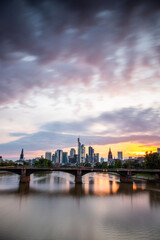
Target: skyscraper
column 158, row 150
column 102, row 160
column 59, row 156
column 120, row 155
column 65, row 157
column 72, row 152
column 96, row 157
column 79, row 151
column 83, row 153
column 48, row 155
column 91, row 154
column 53, row 157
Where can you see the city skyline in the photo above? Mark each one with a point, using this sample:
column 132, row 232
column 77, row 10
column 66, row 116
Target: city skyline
column 79, row 119
column 85, row 153
column 126, row 149
column 88, row 69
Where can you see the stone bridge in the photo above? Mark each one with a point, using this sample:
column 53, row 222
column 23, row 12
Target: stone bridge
column 78, row 172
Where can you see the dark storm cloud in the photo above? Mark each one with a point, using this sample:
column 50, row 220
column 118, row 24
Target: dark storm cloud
column 91, row 32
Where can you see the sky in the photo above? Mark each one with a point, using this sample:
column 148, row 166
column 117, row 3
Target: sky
column 84, row 68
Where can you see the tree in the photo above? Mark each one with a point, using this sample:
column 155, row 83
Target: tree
column 7, row 163
column 152, row 160
column 118, row 163
column 26, row 163
column 42, row 162
column 104, row 165
column 98, row 165
column 127, row 164
column 87, row 165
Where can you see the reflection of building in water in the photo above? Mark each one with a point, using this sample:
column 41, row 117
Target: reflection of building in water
column 100, row 184
column 134, row 187
column 139, row 186
column 115, row 187
column 105, row 186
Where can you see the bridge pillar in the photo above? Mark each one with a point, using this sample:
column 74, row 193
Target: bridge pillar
column 23, row 187
column 126, row 178
column 24, row 177
column 78, row 177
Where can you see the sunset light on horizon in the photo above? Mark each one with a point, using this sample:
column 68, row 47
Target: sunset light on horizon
column 88, row 70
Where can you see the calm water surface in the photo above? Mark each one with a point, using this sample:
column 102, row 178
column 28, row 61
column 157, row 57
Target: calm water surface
column 54, row 208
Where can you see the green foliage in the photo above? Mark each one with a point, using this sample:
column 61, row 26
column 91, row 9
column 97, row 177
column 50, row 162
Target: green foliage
column 128, row 164
column 133, row 164
column 26, row 164
column 152, row 160
column 87, row 165
column 42, row 162
column 118, row 163
column 104, row 165
column 8, row 163
column 98, row 165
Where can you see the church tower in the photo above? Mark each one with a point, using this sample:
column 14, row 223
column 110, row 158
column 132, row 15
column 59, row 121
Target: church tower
column 110, row 155
column 21, row 155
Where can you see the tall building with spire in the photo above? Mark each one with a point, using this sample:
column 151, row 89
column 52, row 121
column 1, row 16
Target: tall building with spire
column 110, row 155
column 79, row 151
column 21, row 155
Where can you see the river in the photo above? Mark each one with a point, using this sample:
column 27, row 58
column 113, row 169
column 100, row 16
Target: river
column 54, row 208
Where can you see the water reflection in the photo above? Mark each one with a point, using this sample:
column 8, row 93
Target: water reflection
column 23, row 188
column 53, row 207
column 63, row 184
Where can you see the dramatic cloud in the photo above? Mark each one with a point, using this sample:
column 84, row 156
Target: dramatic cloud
column 52, row 141
column 125, row 125
column 70, row 68
column 123, row 122
column 50, row 44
